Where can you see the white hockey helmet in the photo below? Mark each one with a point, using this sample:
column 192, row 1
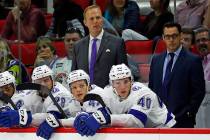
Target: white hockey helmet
column 120, row 71
column 6, row 78
column 77, row 75
column 41, row 72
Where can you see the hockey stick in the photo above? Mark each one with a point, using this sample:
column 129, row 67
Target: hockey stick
column 5, row 98
column 44, row 92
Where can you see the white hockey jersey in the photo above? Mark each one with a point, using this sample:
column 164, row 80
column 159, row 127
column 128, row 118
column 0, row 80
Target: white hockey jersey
column 76, row 107
column 142, row 108
column 26, row 99
column 30, row 100
column 89, row 106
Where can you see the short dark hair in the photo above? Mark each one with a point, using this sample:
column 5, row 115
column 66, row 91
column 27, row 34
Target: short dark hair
column 164, row 5
column 74, row 30
column 172, row 24
column 201, row 29
column 187, row 30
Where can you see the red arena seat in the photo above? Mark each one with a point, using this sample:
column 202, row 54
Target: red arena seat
column 144, row 72
column 160, row 46
column 2, row 22
column 28, row 53
column 60, row 48
column 140, row 50
column 82, row 3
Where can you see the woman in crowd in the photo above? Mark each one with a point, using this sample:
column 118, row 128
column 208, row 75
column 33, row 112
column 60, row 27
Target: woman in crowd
column 153, row 24
column 123, row 14
column 9, row 63
column 46, row 53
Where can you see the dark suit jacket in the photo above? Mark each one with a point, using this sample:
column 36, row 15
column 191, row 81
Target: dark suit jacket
column 111, row 52
column 186, row 88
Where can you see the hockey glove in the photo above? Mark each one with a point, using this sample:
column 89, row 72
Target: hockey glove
column 97, row 119
column 79, row 123
column 12, row 118
column 46, row 128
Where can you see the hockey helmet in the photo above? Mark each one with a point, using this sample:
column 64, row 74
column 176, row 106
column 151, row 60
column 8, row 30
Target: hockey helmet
column 41, row 72
column 77, row 75
column 120, row 71
column 6, row 78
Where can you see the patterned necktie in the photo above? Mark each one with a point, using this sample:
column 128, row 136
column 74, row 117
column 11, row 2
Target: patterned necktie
column 93, row 60
column 168, row 74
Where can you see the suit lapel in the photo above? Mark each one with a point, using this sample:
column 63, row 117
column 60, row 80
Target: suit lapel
column 85, row 47
column 178, row 63
column 104, row 42
column 161, row 64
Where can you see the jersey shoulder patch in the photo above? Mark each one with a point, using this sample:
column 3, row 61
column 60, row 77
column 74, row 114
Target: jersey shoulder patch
column 54, row 90
column 136, row 87
column 12, row 62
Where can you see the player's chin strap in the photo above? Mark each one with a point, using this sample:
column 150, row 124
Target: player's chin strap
column 121, row 98
column 5, row 98
column 43, row 90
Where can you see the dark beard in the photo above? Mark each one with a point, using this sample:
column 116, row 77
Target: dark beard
column 203, row 49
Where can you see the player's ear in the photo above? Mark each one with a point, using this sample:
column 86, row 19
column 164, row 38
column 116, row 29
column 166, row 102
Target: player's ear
column 88, row 88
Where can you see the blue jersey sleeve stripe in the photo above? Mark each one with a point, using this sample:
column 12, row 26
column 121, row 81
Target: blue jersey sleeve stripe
column 139, row 115
column 169, row 117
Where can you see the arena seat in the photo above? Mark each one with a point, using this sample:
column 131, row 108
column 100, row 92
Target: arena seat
column 142, row 18
column 160, row 46
column 2, row 22
column 194, row 50
column 82, row 3
column 30, row 70
column 144, row 72
column 60, row 48
column 102, row 4
column 140, row 50
column 28, row 52
column 48, row 20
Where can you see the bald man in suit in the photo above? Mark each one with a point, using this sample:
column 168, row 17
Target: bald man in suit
column 110, row 49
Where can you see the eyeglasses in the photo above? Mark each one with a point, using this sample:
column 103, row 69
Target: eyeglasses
column 202, row 40
column 173, row 36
